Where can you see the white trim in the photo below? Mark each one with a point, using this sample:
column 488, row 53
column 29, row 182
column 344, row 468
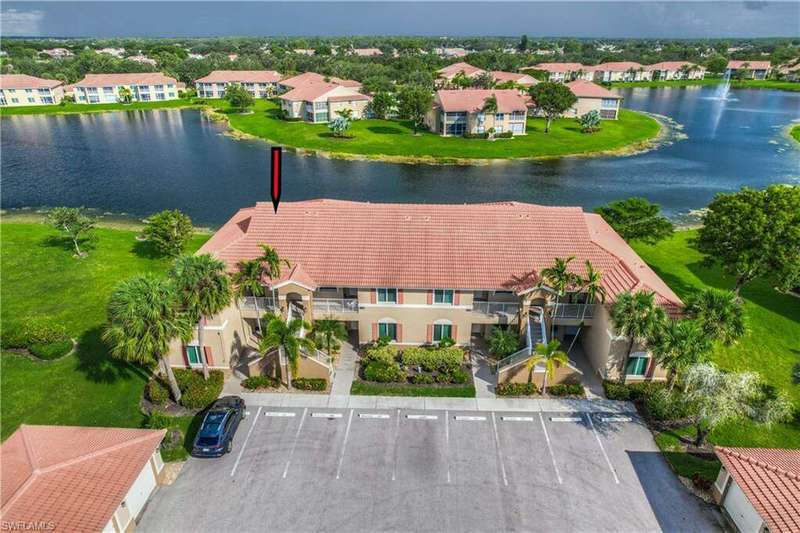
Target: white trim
column 288, row 282
column 200, row 365
column 418, row 306
column 442, row 322
column 388, row 320
column 396, row 296
column 221, row 327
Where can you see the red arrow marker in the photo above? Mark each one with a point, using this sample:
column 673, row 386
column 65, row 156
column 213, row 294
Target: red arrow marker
column 275, row 184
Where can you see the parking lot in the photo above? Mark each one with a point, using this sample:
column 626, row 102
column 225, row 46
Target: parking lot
column 303, row 469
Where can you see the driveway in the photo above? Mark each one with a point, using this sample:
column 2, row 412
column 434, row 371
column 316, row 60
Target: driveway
column 321, row 469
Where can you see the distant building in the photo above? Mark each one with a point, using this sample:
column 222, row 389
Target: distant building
column 116, row 52
column 457, row 112
column 260, row 83
column 318, row 101
column 676, row 70
column 446, row 74
column 197, row 56
column 559, row 72
column 790, row 72
column 22, row 90
column 139, row 58
column 58, row 53
column 618, row 71
column 143, row 86
column 520, row 78
column 752, row 70
column 450, row 52
column 304, row 51
column 312, row 77
column 233, row 57
column 367, row 52
column 592, row 97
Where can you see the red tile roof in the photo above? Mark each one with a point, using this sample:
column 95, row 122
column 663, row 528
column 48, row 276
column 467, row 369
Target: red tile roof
column 752, row 65
column 451, row 70
column 770, row 478
column 556, row 67
column 500, row 76
column 23, row 81
column 614, row 66
column 587, row 89
column 424, row 246
column 308, row 92
column 128, row 78
column 75, row 477
column 313, row 77
column 672, row 65
column 241, row 76
column 473, row 100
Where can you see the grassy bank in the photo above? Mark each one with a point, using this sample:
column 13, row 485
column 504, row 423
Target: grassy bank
column 39, row 277
column 795, row 133
column 70, row 108
column 736, row 84
column 769, row 348
column 395, row 138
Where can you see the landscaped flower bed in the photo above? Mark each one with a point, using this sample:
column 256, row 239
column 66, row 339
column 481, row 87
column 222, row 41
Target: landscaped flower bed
column 569, row 390
column 42, row 338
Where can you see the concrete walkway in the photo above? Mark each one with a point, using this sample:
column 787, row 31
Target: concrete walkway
column 483, row 377
column 420, row 403
column 345, row 371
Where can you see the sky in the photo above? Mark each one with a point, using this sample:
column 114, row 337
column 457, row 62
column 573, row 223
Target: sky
column 571, row 18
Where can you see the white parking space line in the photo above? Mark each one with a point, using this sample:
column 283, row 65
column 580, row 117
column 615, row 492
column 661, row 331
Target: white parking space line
column 396, row 437
column 602, row 449
column 294, row 444
column 422, row 417
column 326, row 415
column 447, row 442
column 344, row 444
column 615, row 419
column 470, row 418
column 516, row 418
column 550, row 449
column 244, row 444
column 565, row 419
column 279, row 414
column 499, row 453
column 374, row 415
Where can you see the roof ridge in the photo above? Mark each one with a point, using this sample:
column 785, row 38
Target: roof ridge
column 761, row 464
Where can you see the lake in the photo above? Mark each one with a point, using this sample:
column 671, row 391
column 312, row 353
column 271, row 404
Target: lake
column 140, row 162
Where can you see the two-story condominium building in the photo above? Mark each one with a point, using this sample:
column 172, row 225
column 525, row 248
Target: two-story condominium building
column 21, row 90
column 418, row 273
column 456, row 112
column 319, row 102
column 560, row 72
column 676, row 70
column 143, row 86
column 753, row 70
column 305, row 78
column 593, row 97
column 446, row 74
column 260, row 83
column 618, row 71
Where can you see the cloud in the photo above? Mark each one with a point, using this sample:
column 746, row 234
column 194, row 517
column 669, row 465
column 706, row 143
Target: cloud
column 14, row 22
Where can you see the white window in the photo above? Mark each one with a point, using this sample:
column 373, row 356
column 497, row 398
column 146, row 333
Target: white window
column 637, row 364
column 517, row 127
column 499, row 117
column 387, row 329
column 388, row 296
column 609, row 103
column 442, row 330
column 443, row 296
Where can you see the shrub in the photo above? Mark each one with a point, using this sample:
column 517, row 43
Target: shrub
column 159, row 420
column 434, row 359
column 447, row 342
column 169, row 231
column 316, row 384
column 566, row 389
column 53, row 350
column 505, row 135
column 476, row 135
column 384, row 372
column 662, row 405
column 700, row 482
column 616, row 391
column 259, row 382
column 386, row 354
column 640, row 391
column 42, row 331
column 49, row 338
column 157, row 392
column 422, row 379
column 198, row 393
column 459, row 376
column 516, row 389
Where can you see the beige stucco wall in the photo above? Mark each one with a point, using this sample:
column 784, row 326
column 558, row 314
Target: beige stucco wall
column 357, row 106
column 520, row 374
column 584, row 105
column 22, row 96
column 81, row 93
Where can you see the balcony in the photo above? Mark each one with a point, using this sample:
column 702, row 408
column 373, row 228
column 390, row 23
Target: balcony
column 495, row 308
column 335, row 306
column 260, row 304
column 573, row 311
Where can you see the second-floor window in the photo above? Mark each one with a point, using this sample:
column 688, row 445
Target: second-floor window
column 443, row 296
column 609, row 103
column 387, row 296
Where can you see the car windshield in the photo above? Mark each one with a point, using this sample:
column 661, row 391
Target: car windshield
column 212, row 427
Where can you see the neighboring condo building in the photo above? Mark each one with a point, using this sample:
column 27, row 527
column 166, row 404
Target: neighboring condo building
column 260, row 83
column 318, row 102
column 458, row 112
column 143, row 86
column 561, row 72
column 446, row 74
column 518, row 78
column 22, row 90
column 618, row 71
column 592, row 97
column 752, row 70
column 675, row 70
column 418, row 273
column 312, row 77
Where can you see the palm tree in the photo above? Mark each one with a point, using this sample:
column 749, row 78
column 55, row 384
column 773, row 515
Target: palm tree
column 719, row 313
column 592, row 286
column 503, row 342
column 125, row 95
column 203, row 290
column 330, row 331
column 248, row 281
column 559, row 279
column 490, row 105
column 551, row 356
column 272, row 263
column 143, row 319
column 285, row 336
column 679, row 345
column 637, row 317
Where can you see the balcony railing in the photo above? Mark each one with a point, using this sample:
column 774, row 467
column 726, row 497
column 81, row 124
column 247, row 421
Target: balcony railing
column 264, row 304
column 332, row 306
column 495, row 308
column 576, row 311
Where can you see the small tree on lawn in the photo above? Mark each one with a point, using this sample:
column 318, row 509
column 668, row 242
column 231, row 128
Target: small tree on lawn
column 636, row 316
column 552, row 357
column 590, row 121
column 72, row 222
column 329, row 332
column 204, row 290
column 503, row 342
column 719, row 313
column 169, row 231
column 286, row 338
column 339, row 126
column 551, row 100
column 238, row 97
column 718, row 397
column 413, row 104
column 143, row 319
column 382, row 104
column 752, row 234
column 125, row 96
column 636, row 219
column 679, row 345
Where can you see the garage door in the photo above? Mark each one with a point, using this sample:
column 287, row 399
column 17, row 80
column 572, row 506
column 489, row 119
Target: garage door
column 141, row 490
column 740, row 510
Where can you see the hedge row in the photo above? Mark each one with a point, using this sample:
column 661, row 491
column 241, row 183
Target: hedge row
column 196, row 392
column 260, row 382
column 40, row 336
column 315, row 384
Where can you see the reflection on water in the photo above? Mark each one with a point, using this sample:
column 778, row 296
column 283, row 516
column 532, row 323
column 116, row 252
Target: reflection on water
column 139, row 162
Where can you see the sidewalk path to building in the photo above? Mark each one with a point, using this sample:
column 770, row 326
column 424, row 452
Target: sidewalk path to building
column 483, row 376
column 420, row 403
column 345, row 371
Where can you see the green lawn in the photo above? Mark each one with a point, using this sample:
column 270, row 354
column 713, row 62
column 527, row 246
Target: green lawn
column 736, row 84
column 795, row 133
column 395, row 138
column 39, row 277
column 771, row 347
column 70, row 108
column 363, row 388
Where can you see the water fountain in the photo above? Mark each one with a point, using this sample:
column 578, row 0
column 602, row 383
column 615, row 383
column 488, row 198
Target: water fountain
column 724, row 88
